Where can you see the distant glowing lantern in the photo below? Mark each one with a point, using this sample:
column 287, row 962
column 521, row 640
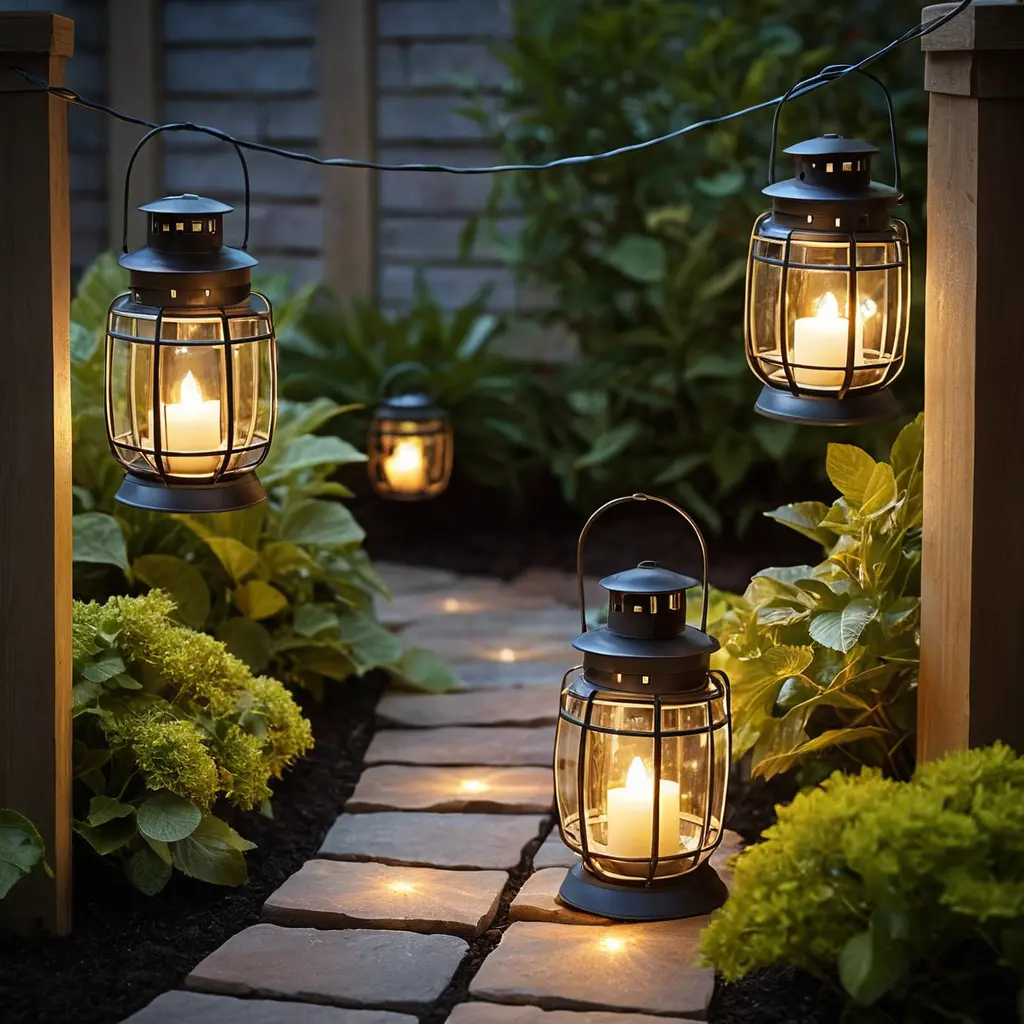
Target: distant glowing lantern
column 642, row 749
column 191, row 366
column 410, row 443
column 828, row 289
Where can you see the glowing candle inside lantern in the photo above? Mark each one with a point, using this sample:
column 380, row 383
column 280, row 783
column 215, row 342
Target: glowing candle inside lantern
column 822, row 340
column 405, row 467
column 631, row 815
column 191, row 425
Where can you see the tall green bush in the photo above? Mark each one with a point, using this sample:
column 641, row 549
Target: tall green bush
column 643, row 255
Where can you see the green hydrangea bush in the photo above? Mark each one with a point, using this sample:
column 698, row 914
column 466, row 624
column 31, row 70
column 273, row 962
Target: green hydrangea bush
column 907, row 896
column 166, row 724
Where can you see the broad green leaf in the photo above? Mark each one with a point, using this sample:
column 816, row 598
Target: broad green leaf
column 307, row 452
column 849, row 468
column 98, row 539
column 239, row 559
column 181, row 580
column 21, row 849
column 320, row 522
column 167, row 817
column 872, row 964
column 880, row 492
column 105, row 839
column 782, row 762
column 212, row 853
column 611, row 443
column 720, row 186
column 841, row 630
column 774, row 437
column 638, row 257
column 104, row 666
column 105, row 808
column 369, row 644
column 298, row 418
column 323, row 659
column 245, row 525
column 805, row 517
column 679, row 468
column 420, row 669
column 907, row 449
column 282, row 558
column 246, row 640
column 721, row 280
column 311, row 619
column 260, row 600
column 147, row 871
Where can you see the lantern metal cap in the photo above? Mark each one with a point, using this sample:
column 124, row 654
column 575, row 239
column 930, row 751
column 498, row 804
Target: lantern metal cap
column 187, row 204
column 648, row 578
column 689, row 643
column 415, row 405
column 831, row 144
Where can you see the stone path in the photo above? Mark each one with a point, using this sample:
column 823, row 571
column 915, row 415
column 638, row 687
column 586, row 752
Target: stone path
column 444, row 868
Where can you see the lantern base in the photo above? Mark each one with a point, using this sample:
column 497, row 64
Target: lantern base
column 826, row 412
column 693, row 895
column 157, row 496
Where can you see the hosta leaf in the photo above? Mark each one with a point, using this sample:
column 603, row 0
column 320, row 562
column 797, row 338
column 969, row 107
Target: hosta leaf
column 260, row 600
column 841, row 630
column 308, row 452
column 98, row 538
column 167, row 817
column 369, row 644
column 181, row 580
column 609, row 444
column 320, row 522
column 147, row 872
column 239, row 559
column 849, row 468
column 638, row 257
column 105, row 808
column 109, row 837
column 420, row 669
column 311, row 619
column 212, row 853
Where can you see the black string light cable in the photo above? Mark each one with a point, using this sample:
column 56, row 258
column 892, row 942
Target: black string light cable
column 826, row 76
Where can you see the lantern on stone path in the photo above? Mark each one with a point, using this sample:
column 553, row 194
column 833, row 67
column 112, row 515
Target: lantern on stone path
column 642, row 749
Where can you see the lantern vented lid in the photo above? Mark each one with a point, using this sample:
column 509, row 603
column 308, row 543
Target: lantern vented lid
column 831, row 145
column 412, row 406
column 648, row 578
column 187, row 205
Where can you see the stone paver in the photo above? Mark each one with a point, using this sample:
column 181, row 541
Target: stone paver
column 553, row 853
column 561, row 587
column 387, row 970
column 486, row 675
column 413, row 579
column 482, row 789
column 731, row 845
column 334, row 894
column 432, row 840
column 468, row 640
column 200, row 1008
column 536, row 901
column 450, row 602
column 463, row 745
column 495, row 1013
column 527, row 705
column 642, row 968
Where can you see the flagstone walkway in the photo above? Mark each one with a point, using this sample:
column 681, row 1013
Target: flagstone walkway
column 445, row 865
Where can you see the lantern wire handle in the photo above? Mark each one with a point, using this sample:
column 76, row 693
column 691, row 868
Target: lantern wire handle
column 399, row 370
column 183, row 126
column 640, row 496
column 828, row 74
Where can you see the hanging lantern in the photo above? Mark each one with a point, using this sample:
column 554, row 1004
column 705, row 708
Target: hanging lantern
column 828, row 287
column 642, row 749
column 410, row 443
column 191, row 366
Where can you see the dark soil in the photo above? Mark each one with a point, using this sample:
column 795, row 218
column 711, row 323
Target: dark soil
column 128, row 948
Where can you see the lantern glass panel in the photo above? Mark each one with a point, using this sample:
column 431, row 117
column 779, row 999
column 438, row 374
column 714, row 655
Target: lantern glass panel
column 130, row 371
column 410, row 458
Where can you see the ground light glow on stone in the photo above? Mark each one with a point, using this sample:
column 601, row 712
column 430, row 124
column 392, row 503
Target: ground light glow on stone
column 507, row 655
column 473, row 786
column 402, row 887
column 451, row 604
column 611, row 944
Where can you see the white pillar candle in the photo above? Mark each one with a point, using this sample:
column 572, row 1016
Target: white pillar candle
column 822, row 340
column 404, row 467
column 631, row 815
column 191, row 425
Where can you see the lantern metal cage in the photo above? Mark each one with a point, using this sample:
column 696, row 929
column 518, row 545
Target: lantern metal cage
column 642, row 749
column 191, row 362
column 828, row 287
column 410, row 443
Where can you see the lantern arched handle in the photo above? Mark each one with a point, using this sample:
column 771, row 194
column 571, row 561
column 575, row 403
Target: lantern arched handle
column 183, row 126
column 828, row 74
column 640, row 496
column 400, row 370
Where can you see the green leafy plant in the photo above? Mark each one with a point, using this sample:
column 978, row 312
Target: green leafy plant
column 166, row 723
column 21, row 850
column 345, row 355
column 643, row 256
column 907, row 896
column 823, row 659
column 285, row 584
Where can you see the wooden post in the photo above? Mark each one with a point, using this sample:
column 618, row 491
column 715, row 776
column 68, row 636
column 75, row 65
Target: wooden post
column 348, row 95
column 972, row 615
column 35, row 461
column 134, row 84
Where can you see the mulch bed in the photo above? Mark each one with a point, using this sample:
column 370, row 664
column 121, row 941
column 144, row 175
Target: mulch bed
column 128, row 948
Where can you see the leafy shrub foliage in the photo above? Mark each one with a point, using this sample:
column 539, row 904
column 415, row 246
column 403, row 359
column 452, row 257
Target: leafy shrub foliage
column 285, row 584
column 643, row 256
column 908, row 895
column 166, row 722
column 344, row 355
column 21, row 850
column 823, row 659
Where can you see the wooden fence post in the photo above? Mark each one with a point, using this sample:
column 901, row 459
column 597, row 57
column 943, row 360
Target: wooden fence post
column 972, row 614
column 35, row 460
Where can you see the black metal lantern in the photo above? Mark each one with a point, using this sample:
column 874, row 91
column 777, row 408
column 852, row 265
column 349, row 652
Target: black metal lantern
column 828, row 287
column 642, row 749
column 409, row 443
column 191, row 364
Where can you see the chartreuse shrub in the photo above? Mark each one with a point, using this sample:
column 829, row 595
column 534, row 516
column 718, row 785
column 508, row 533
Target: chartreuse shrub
column 21, row 849
column 166, row 723
column 286, row 584
column 823, row 659
column 908, row 896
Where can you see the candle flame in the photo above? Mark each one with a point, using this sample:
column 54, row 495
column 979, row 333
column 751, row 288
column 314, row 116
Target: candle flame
column 828, row 307
column 638, row 782
column 190, row 392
